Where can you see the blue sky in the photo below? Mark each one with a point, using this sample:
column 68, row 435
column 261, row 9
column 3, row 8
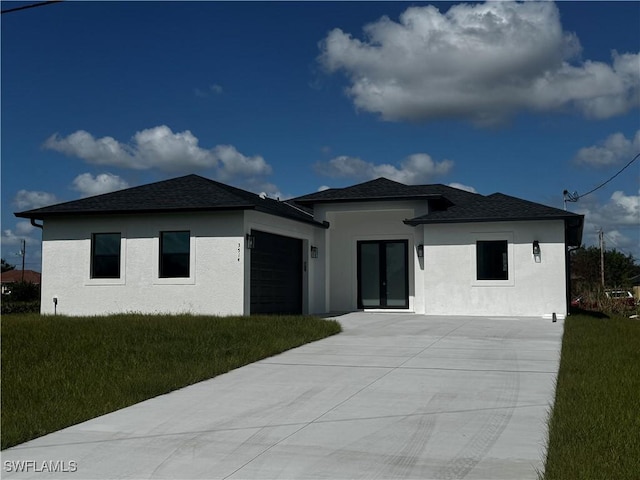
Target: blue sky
column 527, row 99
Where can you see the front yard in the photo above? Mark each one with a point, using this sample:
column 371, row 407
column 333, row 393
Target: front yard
column 595, row 423
column 59, row 371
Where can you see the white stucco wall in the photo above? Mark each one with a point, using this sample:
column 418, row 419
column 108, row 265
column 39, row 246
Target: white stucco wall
column 352, row 222
column 534, row 288
column 215, row 285
column 442, row 283
column 220, row 270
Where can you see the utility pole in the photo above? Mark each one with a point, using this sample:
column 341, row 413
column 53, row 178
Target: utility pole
column 23, row 252
column 601, row 236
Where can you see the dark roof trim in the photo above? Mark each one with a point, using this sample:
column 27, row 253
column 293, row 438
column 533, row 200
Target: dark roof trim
column 426, row 221
column 573, row 224
column 426, row 196
column 222, row 208
column 44, row 215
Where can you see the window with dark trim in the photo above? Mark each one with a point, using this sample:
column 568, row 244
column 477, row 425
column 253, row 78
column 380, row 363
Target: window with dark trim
column 492, row 260
column 105, row 255
column 174, row 254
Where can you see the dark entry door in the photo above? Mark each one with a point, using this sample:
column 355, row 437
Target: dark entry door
column 276, row 274
column 383, row 280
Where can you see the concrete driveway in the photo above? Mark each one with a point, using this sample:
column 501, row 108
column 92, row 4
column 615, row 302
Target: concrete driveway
column 394, row 396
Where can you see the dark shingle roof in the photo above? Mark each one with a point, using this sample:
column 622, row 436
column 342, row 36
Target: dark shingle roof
column 450, row 205
column 492, row 207
column 378, row 189
column 194, row 193
column 190, row 193
column 500, row 208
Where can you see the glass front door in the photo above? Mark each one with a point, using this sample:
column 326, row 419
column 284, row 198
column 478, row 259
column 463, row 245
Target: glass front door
column 383, row 274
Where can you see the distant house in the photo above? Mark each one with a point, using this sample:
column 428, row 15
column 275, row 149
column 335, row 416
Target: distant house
column 12, row 276
column 191, row 244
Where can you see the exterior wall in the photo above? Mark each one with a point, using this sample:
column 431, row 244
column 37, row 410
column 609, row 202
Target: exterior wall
column 313, row 268
column 351, row 222
column 442, row 283
column 536, row 287
column 215, row 285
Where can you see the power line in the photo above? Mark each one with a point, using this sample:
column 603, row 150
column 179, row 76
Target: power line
column 574, row 197
column 33, row 5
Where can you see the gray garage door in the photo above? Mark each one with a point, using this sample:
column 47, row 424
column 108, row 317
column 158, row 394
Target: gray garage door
column 276, row 274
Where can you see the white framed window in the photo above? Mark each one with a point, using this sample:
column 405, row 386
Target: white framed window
column 175, row 254
column 105, row 255
column 174, row 251
column 106, row 259
column 492, row 259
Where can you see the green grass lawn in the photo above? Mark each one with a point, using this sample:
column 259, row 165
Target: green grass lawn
column 594, row 428
column 59, row 371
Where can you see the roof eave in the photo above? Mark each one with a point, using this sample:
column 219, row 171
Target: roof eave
column 309, row 220
column 44, row 215
column 423, row 221
column 429, row 196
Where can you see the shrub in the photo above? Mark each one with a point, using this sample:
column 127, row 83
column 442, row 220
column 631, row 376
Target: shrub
column 20, row 307
column 24, row 292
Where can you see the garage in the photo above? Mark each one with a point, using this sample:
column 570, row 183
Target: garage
column 276, row 274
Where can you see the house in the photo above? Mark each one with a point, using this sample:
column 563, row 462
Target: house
column 191, row 244
column 12, row 276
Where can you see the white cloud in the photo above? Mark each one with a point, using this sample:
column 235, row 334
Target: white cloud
column 415, row 169
column 24, row 227
column 619, row 211
column 236, row 164
column 11, row 242
column 10, row 239
column 461, row 186
column 614, row 150
column 619, row 218
column 27, row 199
column 322, row 188
column 89, row 185
column 625, row 208
column 482, row 62
column 160, row 148
column 101, row 151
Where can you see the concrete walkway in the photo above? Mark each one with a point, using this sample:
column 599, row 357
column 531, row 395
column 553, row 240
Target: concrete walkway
column 394, row 396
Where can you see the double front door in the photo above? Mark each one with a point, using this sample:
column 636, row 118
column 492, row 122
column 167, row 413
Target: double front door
column 383, row 280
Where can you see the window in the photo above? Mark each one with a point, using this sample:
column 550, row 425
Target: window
column 491, row 260
column 105, row 255
column 174, row 254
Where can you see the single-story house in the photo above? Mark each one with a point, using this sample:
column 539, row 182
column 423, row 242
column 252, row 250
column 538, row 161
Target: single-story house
column 12, row 276
column 191, row 244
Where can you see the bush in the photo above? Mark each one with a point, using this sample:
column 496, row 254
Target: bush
column 596, row 300
column 20, row 307
column 24, row 292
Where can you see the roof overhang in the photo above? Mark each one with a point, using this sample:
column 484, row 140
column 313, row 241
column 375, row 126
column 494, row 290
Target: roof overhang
column 574, row 223
column 380, row 198
column 426, row 221
column 36, row 215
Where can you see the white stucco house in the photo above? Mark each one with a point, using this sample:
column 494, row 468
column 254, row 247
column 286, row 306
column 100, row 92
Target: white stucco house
column 191, row 244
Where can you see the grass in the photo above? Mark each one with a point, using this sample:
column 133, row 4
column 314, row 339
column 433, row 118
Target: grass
column 594, row 427
column 59, row 371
